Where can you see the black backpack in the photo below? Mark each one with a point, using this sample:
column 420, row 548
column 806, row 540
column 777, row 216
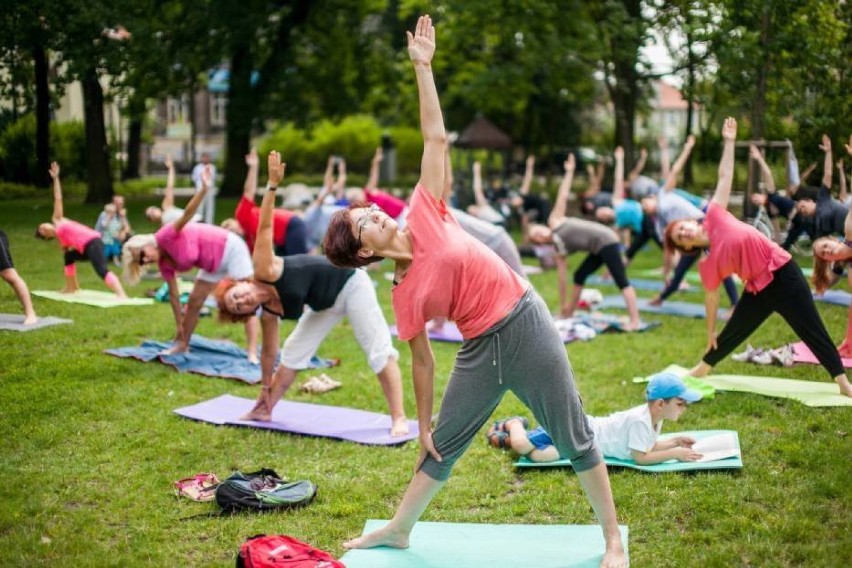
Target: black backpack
column 262, row 490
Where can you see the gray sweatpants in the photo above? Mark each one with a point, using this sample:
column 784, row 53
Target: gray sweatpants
column 522, row 353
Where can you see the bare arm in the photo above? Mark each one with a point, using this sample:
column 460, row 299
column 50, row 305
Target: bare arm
column 562, row 276
column 478, row 194
column 174, row 302
column 659, row 456
column 421, row 48
column 448, row 176
column 528, row 175
column 711, row 307
column 561, row 204
column 841, row 180
column 640, row 165
column 618, row 181
column 169, row 196
column 765, row 172
column 196, row 200
column 250, row 185
column 671, row 179
column 373, row 180
column 327, row 184
column 423, row 374
column 268, row 348
column 266, row 265
column 726, row 164
column 665, row 162
column 58, row 212
column 827, row 163
column 808, row 171
column 340, row 184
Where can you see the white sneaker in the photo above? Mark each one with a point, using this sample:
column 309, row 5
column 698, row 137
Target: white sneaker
column 761, row 357
column 783, row 355
column 745, row 355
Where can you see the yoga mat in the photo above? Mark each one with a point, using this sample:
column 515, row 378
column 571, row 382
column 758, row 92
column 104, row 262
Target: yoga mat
column 603, row 323
column 669, row 307
column 809, row 393
column 837, row 297
column 475, row 545
column 14, row 322
column 93, row 298
column 361, row 426
column 450, row 333
column 529, row 269
column 802, row 354
column 692, row 277
column 638, row 283
column 665, row 467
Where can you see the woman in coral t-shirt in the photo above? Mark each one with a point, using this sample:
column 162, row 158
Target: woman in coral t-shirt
column 78, row 241
column 773, row 281
column 510, row 340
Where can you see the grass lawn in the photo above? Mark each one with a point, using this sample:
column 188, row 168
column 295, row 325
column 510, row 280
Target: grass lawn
column 89, row 446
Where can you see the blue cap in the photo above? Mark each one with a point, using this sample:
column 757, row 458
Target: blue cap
column 669, row 385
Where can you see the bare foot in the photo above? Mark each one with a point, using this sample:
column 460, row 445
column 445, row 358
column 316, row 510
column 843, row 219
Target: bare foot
column 176, row 348
column 382, row 537
column 30, row 319
column 843, row 383
column 399, row 427
column 253, row 360
column 121, row 296
column 655, row 301
column 67, row 290
column 700, row 370
column 614, row 556
column 257, row 414
column 632, row 325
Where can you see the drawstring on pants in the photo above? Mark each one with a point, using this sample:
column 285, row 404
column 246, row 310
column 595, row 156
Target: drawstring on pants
column 496, row 357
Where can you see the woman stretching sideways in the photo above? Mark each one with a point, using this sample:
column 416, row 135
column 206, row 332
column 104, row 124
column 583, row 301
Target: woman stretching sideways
column 773, row 281
column 510, row 340
column 78, row 241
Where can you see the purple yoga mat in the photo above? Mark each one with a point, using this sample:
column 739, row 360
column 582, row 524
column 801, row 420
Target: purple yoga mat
column 450, row 333
column 361, row 426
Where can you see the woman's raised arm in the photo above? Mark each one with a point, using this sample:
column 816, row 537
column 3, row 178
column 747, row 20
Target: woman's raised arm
column 561, row 204
column 263, row 257
column 58, row 212
column 726, row 165
column 195, row 202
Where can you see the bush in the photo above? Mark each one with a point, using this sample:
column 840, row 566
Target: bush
column 355, row 138
column 292, row 142
column 18, row 152
column 68, row 147
column 409, row 149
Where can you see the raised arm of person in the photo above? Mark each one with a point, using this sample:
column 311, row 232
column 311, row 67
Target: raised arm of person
column 841, row 181
column 169, row 194
column 595, row 175
column 478, row 194
column 250, row 185
column 726, row 165
column 765, row 172
column 671, row 179
column 421, row 48
column 340, row 183
column 266, row 265
column 529, row 169
column 640, row 165
column 665, row 161
column 808, row 171
column 618, row 180
column 373, row 180
column 448, row 177
column 560, row 206
column 828, row 162
column 195, row 202
column 58, row 211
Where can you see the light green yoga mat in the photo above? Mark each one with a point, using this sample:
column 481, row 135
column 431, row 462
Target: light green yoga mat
column 93, row 298
column 665, row 467
column 809, row 393
column 471, row 545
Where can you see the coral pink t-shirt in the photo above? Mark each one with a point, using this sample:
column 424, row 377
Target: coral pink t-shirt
column 391, row 205
column 196, row 245
column 452, row 275
column 737, row 248
column 72, row 234
column 247, row 215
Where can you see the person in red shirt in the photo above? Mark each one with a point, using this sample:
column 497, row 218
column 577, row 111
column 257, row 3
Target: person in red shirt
column 773, row 281
column 288, row 231
column 510, row 340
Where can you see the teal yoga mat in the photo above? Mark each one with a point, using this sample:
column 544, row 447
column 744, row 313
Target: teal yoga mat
column 669, row 307
column 639, row 284
column 93, row 298
column 472, row 545
column 665, row 467
column 809, row 393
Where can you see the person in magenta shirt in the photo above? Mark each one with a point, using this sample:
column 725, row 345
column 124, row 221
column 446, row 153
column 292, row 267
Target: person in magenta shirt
column 181, row 246
column 78, row 241
column 510, row 340
column 773, row 281
column 289, row 233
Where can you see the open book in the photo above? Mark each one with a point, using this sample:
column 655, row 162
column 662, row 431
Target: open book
column 717, row 447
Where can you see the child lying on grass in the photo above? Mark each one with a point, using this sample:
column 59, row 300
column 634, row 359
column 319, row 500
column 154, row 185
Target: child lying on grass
column 629, row 434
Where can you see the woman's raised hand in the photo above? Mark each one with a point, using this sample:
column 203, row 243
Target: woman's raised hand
column 421, row 45
column 729, row 129
column 276, row 168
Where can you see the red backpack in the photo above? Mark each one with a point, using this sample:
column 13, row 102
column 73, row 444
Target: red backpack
column 280, row 551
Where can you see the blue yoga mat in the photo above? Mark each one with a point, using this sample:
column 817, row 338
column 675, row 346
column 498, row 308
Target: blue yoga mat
column 206, row 357
column 603, row 323
column 665, row 467
column 837, row 297
column 473, row 545
column 638, row 283
column 669, row 307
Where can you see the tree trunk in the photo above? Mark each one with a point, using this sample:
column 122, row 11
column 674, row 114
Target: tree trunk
column 689, row 93
column 42, row 177
column 240, row 114
column 758, row 106
column 136, row 112
column 97, row 149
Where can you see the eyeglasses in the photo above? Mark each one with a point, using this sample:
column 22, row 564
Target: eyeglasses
column 364, row 218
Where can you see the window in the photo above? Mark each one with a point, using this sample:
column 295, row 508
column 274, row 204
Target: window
column 218, row 105
column 178, row 110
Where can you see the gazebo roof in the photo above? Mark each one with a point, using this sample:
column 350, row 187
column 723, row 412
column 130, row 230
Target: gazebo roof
column 481, row 133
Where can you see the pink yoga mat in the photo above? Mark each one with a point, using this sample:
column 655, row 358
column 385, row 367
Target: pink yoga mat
column 801, row 354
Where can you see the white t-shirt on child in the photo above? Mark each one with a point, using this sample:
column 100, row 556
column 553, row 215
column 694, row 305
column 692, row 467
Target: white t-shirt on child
column 621, row 432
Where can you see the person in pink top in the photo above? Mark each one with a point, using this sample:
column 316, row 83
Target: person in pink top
column 78, row 241
column 773, row 281
column 181, row 246
column 510, row 340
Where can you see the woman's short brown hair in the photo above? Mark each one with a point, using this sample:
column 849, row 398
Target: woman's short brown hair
column 821, row 277
column 340, row 244
column 226, row 316
column 670, row 244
